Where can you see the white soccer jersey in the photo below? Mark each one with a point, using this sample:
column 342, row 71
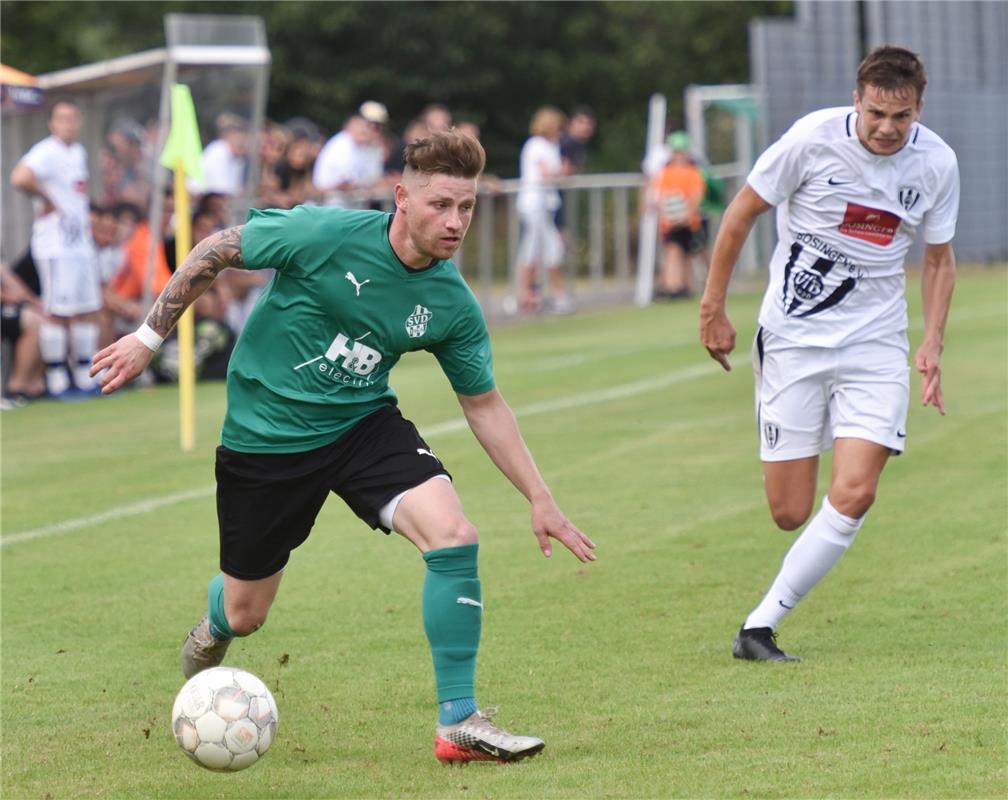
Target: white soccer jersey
column 846, row 219
column 61, row 170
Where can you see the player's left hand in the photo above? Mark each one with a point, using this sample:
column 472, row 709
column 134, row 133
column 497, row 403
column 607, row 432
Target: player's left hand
column 548, row 521
column 927, row 363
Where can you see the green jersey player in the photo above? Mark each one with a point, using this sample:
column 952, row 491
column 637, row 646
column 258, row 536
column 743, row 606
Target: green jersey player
column 310, row 412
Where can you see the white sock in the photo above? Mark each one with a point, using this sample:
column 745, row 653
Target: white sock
column 53, row 348
column 813, row 554
column 83, row 344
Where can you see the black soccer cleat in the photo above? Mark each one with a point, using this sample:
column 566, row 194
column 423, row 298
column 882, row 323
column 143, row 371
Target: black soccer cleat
column 759, row 644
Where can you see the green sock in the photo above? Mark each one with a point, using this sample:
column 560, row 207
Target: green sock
column 215, row 601
column 452, row 616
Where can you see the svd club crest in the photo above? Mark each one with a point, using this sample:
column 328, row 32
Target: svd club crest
column 416, row 323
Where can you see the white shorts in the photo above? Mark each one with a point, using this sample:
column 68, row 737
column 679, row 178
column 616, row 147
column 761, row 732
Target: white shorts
column 70, row 284
column 808, row 396
column 541, row 243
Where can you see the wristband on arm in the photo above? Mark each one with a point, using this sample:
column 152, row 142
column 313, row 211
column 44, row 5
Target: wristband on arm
column 150, row 338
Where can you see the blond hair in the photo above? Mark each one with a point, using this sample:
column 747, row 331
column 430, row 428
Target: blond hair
column 547, row 121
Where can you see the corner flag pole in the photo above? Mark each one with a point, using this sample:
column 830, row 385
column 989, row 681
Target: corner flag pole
column 182, row 154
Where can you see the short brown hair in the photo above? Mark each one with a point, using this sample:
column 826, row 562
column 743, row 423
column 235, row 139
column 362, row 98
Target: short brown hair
column 892, row 69
column 446, row 153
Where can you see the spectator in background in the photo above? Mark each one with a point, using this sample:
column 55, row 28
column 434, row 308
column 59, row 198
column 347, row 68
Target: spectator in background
column 676, row 192
column 574, row 142
column 216, row 205
column 129, row 178
column 541, row 249
column 302, row 127
column 226, row 158
column 106, row 242
column 377, row 117
column 436, row 117
column 273, row 142
column 54, row 173
column 124, row 294
column 128, row 216
column 711, row 206
column 352, row 161
column 292, row 183
column 21, row 315
column 574, row 154
column 109, row 254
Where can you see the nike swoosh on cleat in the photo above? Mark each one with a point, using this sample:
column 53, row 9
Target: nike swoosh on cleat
column 493, row 751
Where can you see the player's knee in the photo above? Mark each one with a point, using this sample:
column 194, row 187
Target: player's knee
column 454, row 533
column 460, row 533
column 245, row 618
column 853, row 499
column 790, row 516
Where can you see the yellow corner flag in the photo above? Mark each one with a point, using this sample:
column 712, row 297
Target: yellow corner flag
column 183, row 153
column 183, row 138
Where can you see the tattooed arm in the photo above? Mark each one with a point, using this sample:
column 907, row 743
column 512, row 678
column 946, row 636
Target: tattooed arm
column 123, row 360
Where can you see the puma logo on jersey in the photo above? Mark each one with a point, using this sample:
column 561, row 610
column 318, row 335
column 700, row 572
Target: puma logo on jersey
column 422, row 452
column 357, row 284
column 468, row 601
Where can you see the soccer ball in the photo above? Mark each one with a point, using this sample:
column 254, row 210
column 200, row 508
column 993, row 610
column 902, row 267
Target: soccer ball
column 224, row 719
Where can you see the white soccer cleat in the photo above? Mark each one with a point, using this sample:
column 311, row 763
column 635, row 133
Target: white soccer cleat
column 476, row 738
column 201, row 650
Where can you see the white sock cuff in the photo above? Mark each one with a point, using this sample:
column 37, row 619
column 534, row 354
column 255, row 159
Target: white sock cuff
column 84, row 340
column 52, row 342
column 841, row 523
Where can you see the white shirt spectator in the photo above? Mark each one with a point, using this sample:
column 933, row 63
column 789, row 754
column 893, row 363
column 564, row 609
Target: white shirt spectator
column 539, row 157
column 349, row 160
column 223, row 171
column 61, row 170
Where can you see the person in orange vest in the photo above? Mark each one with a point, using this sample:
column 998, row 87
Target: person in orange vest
column 676, row 192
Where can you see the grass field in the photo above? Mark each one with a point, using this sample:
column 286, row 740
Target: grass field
column 622, row 666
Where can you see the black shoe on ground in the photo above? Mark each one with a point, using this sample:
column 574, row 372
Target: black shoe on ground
column 759, row 644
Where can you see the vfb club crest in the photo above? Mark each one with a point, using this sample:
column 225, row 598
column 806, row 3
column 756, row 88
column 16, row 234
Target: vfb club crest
column 416, row 323
column 771, row 433
column 908, row 196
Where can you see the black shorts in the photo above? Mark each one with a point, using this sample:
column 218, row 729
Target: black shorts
column 680, row 236
column 267, row 502
column 10, row 322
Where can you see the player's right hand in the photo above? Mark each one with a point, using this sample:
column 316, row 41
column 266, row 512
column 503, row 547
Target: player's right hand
column 120, row 362
column 717, row 334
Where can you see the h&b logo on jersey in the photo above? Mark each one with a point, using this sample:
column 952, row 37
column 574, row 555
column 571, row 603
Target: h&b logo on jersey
column 771, row 433
column 358, row 357
column 908, row 196
column 416, row 323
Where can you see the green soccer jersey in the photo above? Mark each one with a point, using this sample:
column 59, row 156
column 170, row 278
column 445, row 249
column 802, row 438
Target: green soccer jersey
column 315, row 353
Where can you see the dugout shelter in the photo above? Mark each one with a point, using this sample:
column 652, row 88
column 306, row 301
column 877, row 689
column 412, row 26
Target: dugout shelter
column 125, row 108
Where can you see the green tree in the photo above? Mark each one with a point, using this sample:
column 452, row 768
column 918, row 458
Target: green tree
column 494, row 62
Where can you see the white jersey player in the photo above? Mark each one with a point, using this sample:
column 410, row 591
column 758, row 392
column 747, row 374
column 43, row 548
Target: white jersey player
column 55, row 173
column 852, row 186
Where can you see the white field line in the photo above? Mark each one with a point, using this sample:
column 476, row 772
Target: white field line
column 438, row 429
